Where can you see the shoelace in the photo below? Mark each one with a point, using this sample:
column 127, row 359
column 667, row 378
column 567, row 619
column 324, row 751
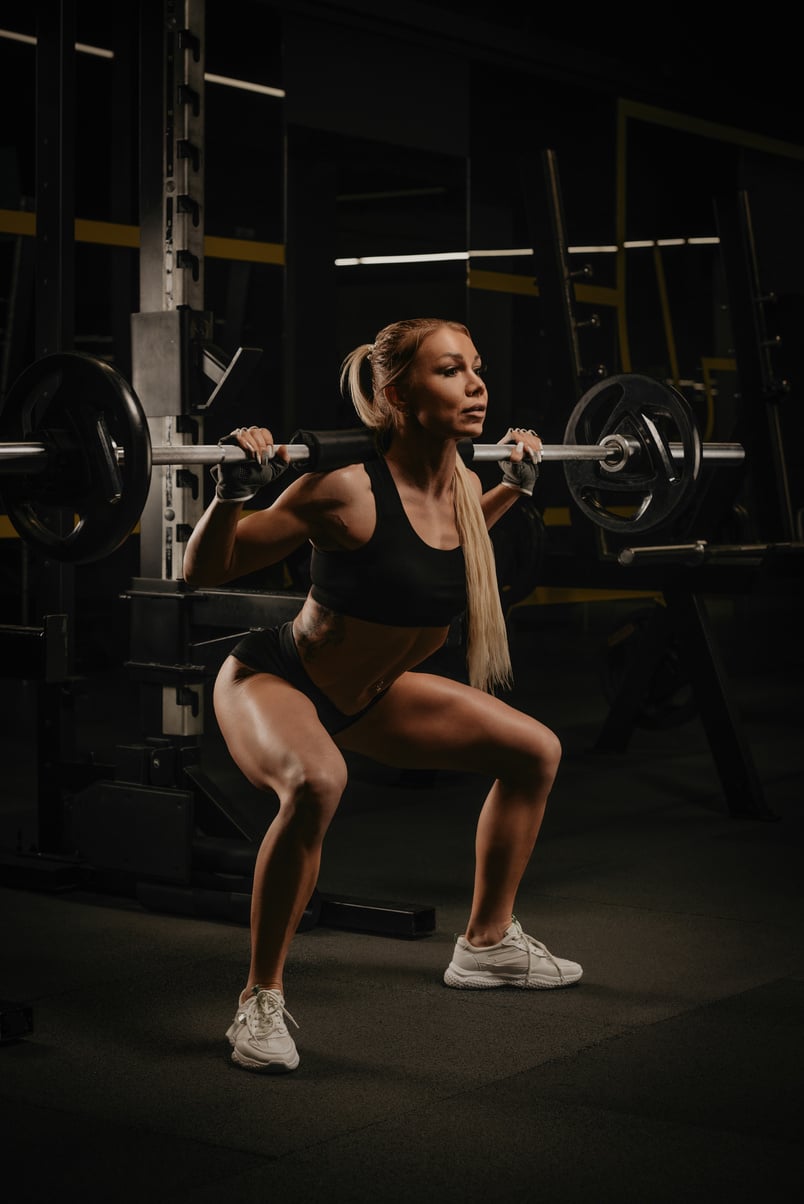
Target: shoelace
column 531, row 945
column 268, row 1012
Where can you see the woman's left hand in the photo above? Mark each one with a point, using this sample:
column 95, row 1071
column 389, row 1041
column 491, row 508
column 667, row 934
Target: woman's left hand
column 521, row 470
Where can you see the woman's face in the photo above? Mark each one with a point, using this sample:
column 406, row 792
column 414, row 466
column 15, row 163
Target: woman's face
column 444, row 392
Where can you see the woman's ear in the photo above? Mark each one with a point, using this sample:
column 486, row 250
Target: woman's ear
column 396, row 400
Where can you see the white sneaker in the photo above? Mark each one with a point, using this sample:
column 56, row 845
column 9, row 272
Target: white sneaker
column 259, row 1036
column 517, row 961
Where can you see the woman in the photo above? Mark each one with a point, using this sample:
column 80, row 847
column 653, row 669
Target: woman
column 400, row 547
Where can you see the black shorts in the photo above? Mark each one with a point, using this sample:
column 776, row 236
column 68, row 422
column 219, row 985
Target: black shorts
column 273, row 650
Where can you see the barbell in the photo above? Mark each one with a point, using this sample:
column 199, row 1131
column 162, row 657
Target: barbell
column 74, row 437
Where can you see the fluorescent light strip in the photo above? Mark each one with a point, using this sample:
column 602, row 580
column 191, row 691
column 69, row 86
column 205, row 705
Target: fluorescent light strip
column 602, row 250
column 17, row 37
column 99, row 52
column 374, row 259
column 510, row 254
column 243, row 85
column 81, row 47
column 434, row 257
column 363, row 260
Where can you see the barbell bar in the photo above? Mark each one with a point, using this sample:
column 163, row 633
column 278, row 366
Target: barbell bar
column 74, row 437
column 27, row 457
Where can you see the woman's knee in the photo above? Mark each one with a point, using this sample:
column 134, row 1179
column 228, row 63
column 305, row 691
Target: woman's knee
column 551, row 751
column 538, row 756
column 309, row 792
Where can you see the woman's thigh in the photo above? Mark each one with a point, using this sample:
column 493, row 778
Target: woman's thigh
column 273, row 732
column 431, row 722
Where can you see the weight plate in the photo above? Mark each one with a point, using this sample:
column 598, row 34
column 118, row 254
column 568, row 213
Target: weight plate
column 85, row 504
column 653, row 486
column 518, row 540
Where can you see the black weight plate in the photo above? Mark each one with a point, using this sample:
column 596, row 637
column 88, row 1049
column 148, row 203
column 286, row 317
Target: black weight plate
column 518, row 541
column 86, row 504
column 653, row 486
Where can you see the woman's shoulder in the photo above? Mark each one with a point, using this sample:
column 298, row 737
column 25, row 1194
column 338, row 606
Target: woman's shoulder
column 347, row 481
column 326, row 490
column 335, row 507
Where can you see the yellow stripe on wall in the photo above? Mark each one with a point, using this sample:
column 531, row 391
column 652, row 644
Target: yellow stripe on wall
column 514, row 282
column 117, row 234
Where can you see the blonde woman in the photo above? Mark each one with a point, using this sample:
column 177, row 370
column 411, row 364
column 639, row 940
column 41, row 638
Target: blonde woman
column 400, row 548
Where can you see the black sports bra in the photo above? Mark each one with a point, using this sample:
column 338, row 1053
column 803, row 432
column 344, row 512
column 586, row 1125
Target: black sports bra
column 395, row 577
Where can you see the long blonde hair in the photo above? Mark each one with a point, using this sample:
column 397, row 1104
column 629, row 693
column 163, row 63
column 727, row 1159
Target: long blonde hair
column 390, row 358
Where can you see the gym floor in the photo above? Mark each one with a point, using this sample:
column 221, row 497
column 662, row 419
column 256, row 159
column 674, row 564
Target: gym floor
column 673, row 1071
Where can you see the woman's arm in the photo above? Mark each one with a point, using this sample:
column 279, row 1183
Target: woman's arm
column 519, row 475
column 324, row 508
column 226, row 544
column 496, row 502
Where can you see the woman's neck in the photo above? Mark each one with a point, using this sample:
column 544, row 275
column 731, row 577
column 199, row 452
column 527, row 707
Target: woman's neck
column 423, row 465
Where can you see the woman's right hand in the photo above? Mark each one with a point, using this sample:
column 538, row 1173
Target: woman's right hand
column 521, row 471
column 240, row 480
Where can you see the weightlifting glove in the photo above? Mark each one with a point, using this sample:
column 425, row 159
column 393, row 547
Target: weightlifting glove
column 241, row 480
column 520, row 474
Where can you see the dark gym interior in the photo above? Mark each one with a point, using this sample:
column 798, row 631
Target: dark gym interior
column 203, row 208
